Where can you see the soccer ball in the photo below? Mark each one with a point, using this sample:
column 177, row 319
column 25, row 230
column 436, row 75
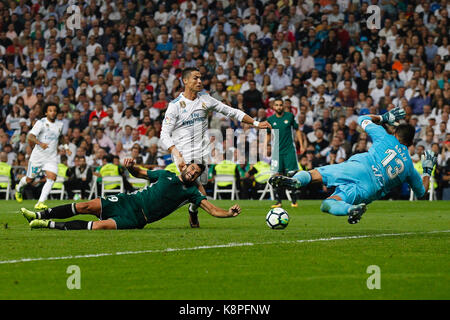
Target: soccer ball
column 277, row 218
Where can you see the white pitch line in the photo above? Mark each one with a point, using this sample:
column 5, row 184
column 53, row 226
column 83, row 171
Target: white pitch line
column 228, row 245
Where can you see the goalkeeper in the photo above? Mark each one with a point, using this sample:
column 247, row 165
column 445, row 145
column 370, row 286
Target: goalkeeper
column 368, row 176
column 135, row 210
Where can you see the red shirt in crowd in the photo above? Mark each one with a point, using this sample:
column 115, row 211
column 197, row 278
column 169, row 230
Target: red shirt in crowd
column 100, row 115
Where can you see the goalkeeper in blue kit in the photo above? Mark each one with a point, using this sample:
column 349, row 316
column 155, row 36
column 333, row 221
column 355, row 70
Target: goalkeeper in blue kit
column 368, row 176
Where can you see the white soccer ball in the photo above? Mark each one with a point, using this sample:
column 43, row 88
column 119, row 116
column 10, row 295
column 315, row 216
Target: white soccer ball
column 277, row 218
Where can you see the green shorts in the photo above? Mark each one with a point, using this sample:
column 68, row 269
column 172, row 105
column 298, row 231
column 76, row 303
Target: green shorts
column 119, row 208
column 284, row 163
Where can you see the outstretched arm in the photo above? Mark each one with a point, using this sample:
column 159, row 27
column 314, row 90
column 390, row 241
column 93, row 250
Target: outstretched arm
column 234, row 210
column 369, row 125
column 420, row 184
column 391, row 117
column 429, row 160
column 368, row 122
column 257, row 124
column 374, row 118
column 237, row 114
column 134, row 170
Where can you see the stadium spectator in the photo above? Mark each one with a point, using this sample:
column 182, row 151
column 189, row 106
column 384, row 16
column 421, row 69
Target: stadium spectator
column 79, row 177
column 103, row 141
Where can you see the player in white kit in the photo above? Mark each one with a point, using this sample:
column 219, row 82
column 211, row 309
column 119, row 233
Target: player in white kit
column 45, row 135
column 186, row 122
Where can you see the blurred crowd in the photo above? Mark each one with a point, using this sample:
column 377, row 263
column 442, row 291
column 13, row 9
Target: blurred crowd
column 114, row 76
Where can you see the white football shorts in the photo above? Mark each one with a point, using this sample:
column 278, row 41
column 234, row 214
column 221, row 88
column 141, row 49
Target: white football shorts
column 34, row 167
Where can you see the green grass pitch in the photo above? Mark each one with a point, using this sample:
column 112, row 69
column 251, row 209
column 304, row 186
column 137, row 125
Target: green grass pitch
column 318, row 256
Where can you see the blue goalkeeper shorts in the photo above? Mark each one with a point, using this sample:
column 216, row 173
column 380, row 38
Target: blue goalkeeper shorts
column 352, row 179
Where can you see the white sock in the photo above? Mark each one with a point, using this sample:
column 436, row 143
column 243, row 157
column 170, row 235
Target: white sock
column 46, row 190
column 22, row 183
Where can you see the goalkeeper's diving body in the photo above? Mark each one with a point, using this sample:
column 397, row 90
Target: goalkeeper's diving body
column 135, row 210
column 368, row 176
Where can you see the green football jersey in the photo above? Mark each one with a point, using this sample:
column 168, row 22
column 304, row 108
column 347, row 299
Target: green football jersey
column 282, row 129
column 164, row 196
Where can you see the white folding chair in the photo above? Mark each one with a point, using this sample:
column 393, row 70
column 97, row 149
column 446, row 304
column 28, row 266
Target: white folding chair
column 225, row 178
column 112, row 180
column 267, row 188
column 7, row 190
column 93, row 187
column 61, row 191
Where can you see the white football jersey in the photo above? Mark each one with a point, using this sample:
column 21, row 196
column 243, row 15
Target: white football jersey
column 46, row 132
column 186, row 122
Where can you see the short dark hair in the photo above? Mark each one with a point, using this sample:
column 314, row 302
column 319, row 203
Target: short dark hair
column 187, row 72
column 202, row 167
column 278, row 99
column 109, row 157
column 405, row 134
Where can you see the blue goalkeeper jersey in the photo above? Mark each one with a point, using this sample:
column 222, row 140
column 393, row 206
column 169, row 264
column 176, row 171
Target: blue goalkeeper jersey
column 389, row 160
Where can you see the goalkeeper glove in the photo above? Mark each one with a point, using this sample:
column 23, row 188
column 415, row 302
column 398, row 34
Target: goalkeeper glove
column 392, row 117
column 428, row 162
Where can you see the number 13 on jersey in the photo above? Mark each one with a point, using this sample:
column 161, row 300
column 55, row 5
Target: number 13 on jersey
column 393, row 170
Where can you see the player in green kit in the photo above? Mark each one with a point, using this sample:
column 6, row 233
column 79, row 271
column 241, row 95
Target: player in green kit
column 135, row 210
column 283, row 124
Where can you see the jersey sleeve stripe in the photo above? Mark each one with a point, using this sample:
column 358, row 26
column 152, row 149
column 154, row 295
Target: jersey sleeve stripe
column 176, row 99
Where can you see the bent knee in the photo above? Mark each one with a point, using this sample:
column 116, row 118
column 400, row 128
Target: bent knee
column 326, row 204
column 83, row 207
